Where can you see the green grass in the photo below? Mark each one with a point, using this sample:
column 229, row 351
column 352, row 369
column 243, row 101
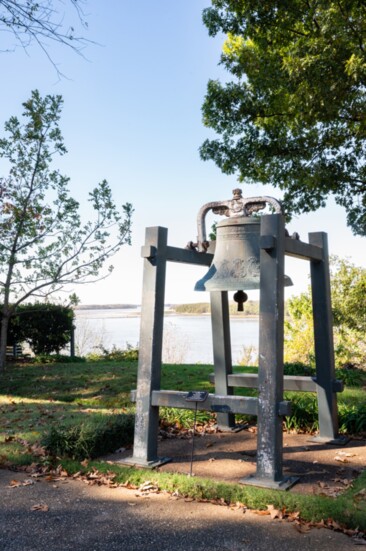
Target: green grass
column 81, row 399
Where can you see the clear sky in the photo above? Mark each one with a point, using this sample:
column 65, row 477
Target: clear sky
column 132, row 115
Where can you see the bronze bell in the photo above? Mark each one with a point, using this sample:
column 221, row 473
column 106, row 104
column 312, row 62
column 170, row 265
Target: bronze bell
column 236, row 260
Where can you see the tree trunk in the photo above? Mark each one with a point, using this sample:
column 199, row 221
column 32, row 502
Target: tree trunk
column 3, row 341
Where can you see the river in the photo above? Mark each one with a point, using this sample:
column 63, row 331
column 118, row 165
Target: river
column 187, row 338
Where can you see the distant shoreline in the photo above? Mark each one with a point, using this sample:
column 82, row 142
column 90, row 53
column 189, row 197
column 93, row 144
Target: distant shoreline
column 106, row 306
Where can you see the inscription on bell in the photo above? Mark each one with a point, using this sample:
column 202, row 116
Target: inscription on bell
column 239, row 232
column 238, row 268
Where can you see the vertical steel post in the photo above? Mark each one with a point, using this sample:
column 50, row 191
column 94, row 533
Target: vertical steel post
column 222, row 352
column 150, row 352
column 270, row 372
column 323, row 337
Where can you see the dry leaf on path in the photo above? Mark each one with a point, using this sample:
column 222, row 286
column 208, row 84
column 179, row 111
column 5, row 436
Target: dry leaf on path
column 15, row 483
column 40, row 507
column 302, row 528
column 275, row 513
column 261, row 512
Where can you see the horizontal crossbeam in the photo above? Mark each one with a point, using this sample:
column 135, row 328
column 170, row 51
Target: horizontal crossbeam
column 299, row 249
column 175, row 254
column 219, row 404
column 290, row 382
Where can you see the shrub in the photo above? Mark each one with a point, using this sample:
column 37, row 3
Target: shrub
column 128, row 354
column 90, row 439
column 56, row 358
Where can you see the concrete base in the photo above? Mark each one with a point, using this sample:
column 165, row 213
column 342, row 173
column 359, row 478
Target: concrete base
column 284, row 484
column 133, row 462
column 339, row 441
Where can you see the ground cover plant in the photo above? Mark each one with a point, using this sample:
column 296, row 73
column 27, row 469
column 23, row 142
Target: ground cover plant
column 83, row 410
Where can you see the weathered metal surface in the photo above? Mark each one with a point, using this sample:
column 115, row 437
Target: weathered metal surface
column 238, row 206
column 323, row 338
column 188, row 256
column 299, row 249
column 222, row 352
column 235, row 265
column 214, row 402
column 290, row 382
column 151, row 336
column 270, row 370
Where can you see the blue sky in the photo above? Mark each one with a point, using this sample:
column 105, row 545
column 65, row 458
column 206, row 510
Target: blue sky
column 132, row 115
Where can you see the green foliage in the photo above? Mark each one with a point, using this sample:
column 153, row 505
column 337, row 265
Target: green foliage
column 293, row 114
column 304, row 415
column 88, row 440
column 45, row 327
column 195, row 308
column 45, row 244
column 348, row 288
column 56, row 359
column 129, row 354
column 352, row 418
column 183, row 418
column 251, row 308
column 298, row 368
column 350, row 375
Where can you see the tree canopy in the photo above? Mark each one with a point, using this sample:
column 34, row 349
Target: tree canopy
column 44, row 244
column 294, row 116
column 348, row 287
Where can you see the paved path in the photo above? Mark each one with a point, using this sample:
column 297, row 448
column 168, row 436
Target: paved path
column 97, row 518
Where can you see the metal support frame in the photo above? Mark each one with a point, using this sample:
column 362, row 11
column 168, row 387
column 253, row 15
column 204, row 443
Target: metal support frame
column 269, row 406
column 156, row 253
column 324, row 348
column 222, row 353
column 151, row 341
column 270, row 369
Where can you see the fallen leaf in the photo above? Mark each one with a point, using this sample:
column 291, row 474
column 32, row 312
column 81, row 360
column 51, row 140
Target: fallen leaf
column 28, row 482
column 40, row 507
column 275, row 513
column 15, row 483
column 360, row 495
column 342, row 459
column 302, row 528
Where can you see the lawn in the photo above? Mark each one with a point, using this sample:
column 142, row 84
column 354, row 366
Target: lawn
column 35, row 398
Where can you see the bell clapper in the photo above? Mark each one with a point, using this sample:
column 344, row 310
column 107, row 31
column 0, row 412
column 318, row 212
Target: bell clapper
column 240, row 297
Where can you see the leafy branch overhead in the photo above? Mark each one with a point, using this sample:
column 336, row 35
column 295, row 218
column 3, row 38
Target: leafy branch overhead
column 45, row 244
column 293, row 115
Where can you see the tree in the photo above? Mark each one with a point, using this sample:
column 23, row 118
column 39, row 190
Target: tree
column 40, row 22
column 348, row 287
column 44, row 244
column 294, row 115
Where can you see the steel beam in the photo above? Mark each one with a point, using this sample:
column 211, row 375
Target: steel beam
column 150, row 351
column 323, row 338
column 222, row 352
column 270, row 371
